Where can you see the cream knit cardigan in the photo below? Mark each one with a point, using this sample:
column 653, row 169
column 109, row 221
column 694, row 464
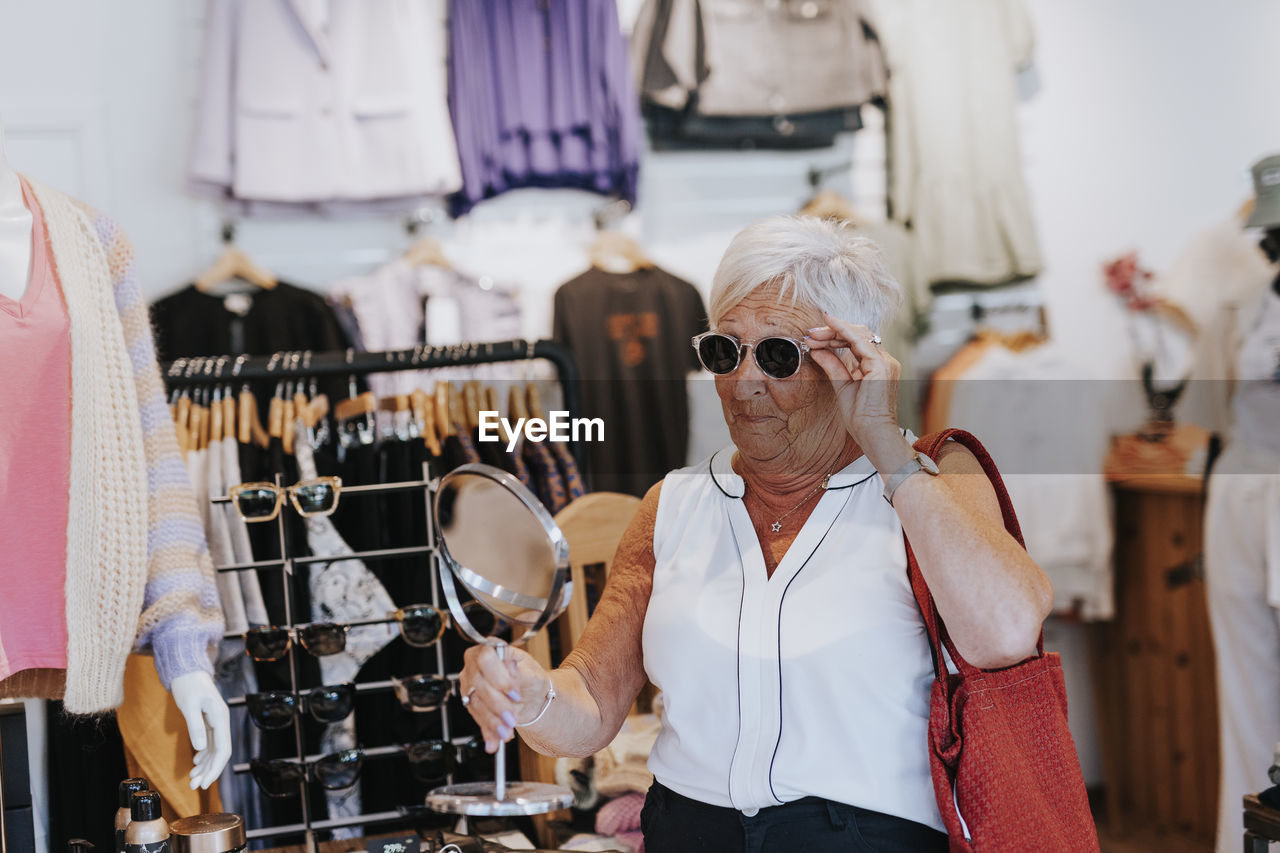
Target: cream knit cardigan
column 138, row 572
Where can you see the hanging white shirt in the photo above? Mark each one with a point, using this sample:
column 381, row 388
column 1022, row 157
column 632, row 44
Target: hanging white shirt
column 812, row 682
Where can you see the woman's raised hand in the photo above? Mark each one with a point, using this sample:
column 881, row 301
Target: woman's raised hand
column 867, row 392
column 501, row 693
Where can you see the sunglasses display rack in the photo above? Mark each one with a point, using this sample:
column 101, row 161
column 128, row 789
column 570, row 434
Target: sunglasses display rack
column 195, row 372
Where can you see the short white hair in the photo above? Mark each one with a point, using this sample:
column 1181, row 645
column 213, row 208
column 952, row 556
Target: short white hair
column 820, row 262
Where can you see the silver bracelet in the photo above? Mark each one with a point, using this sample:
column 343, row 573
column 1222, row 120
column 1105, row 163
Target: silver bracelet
column 551, row 694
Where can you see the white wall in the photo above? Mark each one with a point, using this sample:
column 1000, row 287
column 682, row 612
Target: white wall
column 1149, row 115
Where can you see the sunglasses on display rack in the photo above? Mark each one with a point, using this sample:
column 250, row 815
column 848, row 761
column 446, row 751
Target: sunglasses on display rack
column 269, row 643
column 777, row 357
column 262, row 501
column 420, row 693
column 280, row 777
column 432, row 760
column 421, row 624
column 275, row 709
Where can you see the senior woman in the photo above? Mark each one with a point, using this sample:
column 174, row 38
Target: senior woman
column 764, row 591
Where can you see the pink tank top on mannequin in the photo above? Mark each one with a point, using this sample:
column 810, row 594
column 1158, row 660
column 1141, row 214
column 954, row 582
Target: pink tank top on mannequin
column 35, row 463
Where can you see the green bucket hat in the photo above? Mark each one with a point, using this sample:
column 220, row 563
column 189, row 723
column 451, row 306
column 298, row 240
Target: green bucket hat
column 1266, row 193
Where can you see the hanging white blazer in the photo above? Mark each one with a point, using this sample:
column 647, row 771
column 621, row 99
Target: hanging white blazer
column 324, row 100
column 812, row 682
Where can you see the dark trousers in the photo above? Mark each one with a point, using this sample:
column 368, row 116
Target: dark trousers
column 676, row 824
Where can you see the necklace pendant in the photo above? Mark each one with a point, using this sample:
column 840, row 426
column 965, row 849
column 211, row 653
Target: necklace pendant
column 777, row 525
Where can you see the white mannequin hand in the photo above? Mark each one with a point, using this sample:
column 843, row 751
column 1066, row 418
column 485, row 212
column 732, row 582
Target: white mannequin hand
column 207, row 720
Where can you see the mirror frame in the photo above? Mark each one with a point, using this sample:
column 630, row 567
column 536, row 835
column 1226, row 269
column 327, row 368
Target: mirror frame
column 550, row 607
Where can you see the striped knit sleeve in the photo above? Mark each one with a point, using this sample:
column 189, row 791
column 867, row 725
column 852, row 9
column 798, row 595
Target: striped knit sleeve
column 181, row 620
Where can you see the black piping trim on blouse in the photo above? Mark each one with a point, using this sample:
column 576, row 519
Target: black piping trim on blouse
column 742, row 597
column 782, row 601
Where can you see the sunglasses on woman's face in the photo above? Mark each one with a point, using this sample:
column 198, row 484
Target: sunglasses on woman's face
column 777, row 357
column 420, row 624
column 271, row 643
column 275, row 709
column 432, row 760
column 422, row 692
column 262, row 501
column 281, row 778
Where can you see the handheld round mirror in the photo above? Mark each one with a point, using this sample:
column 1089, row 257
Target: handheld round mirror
column 504, row 551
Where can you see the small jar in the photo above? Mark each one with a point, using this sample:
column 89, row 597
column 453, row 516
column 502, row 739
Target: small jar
column 208, row 833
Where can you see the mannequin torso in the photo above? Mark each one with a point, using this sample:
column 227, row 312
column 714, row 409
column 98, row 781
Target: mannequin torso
column 15, row 231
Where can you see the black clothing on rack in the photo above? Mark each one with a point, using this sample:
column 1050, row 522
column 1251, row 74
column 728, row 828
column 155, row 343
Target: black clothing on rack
column 285, row 318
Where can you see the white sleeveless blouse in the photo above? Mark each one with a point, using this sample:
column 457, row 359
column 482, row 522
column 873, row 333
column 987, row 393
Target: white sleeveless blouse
column 814, row 682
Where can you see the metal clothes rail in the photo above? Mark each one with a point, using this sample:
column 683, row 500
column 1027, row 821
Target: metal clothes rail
column 216, row 369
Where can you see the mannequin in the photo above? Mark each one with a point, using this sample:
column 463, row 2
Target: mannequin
column 205, row 712
column 15, row 231
column 1242, row 520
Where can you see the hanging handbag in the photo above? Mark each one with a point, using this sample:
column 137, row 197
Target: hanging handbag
column 1004, row 766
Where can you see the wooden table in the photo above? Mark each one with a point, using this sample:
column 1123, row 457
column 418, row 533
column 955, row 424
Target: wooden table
column 1154, row 667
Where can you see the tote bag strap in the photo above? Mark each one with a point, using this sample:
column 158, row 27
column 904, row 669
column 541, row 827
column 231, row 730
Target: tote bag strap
column 931, row 445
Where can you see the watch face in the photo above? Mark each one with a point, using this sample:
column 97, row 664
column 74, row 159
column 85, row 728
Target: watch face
column 927, row 463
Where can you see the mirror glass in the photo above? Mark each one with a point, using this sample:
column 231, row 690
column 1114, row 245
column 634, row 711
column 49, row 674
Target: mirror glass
column 502, row 546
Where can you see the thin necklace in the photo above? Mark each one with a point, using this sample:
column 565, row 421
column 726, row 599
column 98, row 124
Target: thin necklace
column 777, row 525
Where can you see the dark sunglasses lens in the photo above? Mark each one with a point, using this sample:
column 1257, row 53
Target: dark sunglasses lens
column 718, row 353
column 423, row 692
column 256, row 504
column 277, row 778
column 778, row 357
column 323, row 638
column 331, row 704
column 340, row 770
column 482, row 620
column 316, row 498
column 272, row 710
column 428, row 759
column 421, row 626
column 263, row 644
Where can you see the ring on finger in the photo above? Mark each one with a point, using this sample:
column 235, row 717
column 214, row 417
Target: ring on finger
column 466, row 697
column 875, row 339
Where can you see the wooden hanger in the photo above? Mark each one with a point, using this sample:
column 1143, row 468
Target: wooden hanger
column 182, row 422
column 1014, row 341
column 472, row 402
column 355, row 407
column 229, row 420
column 248, row 422
column 457, row 408
column 515, row 403
column 395, row 403
column 616, row 252
column 427, row 252
column 288, row 410
column 425, row 413
column 829, row 204
column 444, row 420
column 534, row 398
column 233, row 263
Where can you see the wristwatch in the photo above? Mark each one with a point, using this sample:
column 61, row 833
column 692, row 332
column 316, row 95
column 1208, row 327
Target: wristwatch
column 919, row 462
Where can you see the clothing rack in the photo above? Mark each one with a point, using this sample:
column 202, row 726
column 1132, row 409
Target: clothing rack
column 212, row 370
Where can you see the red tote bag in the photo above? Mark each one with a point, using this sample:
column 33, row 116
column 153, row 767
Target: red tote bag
column 1005, row 769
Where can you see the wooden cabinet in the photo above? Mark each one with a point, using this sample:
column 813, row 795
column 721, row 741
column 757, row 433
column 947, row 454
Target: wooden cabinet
column 1154, row 668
